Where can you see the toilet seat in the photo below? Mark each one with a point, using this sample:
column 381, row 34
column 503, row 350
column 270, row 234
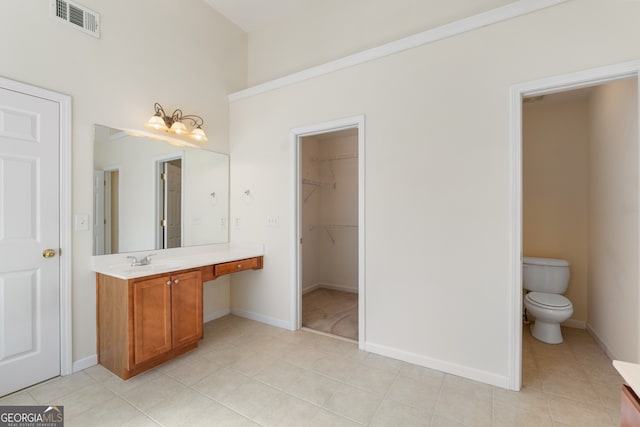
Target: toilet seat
column 549, row 301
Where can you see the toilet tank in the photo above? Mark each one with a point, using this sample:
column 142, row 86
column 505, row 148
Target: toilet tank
column 545, row 275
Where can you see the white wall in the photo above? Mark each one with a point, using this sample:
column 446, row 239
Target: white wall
column 330, row 212
column 555, row 174
column 181, row 54
column 330, row 29
column 438, row 171
column 205, row 217
column 613, row 266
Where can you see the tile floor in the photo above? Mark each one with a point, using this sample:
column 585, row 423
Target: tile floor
column 246, row 374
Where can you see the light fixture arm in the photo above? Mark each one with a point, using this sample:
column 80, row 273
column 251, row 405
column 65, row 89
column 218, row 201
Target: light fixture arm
column 177, row 116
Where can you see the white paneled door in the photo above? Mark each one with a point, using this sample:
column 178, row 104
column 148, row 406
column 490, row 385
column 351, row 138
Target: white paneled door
column 29, row 240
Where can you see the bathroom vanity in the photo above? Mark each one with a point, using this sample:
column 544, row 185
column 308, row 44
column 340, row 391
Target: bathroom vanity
column 149, row 314
column 629, row 401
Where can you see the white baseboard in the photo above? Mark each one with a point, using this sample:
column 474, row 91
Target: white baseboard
column 208, row 317
column 440, row 365
column 85, row 363
column 263, row 319
column 598, row 339
column 327, row 286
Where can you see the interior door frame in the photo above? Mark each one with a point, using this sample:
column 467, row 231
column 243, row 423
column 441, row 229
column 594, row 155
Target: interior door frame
column 295, row 138
column 66, row 252
column 158, row 168
column 549, row 85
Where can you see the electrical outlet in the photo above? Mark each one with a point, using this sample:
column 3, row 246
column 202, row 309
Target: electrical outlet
column 237, row 222
column 273, row 221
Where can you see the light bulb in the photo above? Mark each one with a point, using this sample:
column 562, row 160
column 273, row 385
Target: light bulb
column 156, row 122
column 199, row 135
column 178, row 128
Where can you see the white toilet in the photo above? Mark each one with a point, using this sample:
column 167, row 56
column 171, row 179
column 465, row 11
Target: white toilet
column 546, row 279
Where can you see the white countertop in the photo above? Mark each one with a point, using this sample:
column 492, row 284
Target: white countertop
column 173, row 259
column 630, row 372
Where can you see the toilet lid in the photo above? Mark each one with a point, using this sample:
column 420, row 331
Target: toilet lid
column 549, row 300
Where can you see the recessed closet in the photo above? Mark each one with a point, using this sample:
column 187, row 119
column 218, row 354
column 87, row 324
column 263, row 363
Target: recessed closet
column 329, row 223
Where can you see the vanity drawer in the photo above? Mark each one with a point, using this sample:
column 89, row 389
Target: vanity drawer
column 235, row 266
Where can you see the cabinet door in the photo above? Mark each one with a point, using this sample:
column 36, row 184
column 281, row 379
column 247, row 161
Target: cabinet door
column 186, row 300
column 152, row 318
column 629, row 408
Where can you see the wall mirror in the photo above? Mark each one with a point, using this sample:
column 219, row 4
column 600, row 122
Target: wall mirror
column 150, row 194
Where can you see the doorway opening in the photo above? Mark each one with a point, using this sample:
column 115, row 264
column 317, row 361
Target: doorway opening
column 169, row 211
column 563, row 192
column 106, row 188
column 329, row 220
column 329, row 238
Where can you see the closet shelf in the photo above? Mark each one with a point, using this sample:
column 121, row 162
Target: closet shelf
column 338, row 157
column 313, row 227
column 318, row 183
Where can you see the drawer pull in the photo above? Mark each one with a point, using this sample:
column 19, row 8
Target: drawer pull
column 239, row 265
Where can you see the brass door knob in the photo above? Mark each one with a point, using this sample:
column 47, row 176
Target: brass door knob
column 49, row 253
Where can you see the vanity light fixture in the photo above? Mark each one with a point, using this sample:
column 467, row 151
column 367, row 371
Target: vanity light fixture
column 175, row 123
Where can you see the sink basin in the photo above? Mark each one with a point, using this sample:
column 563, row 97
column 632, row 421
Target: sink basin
column 125, row 270
column 155, row 267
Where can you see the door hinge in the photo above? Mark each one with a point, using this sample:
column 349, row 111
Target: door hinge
column 59, row 251
column 163, row 176
column 301, row 240
column 163, row 223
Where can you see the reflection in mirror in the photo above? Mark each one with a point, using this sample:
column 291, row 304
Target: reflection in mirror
column 149, row 194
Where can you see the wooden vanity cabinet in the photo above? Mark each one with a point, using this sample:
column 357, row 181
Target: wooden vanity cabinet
column 254, row 263
column 629, row 408
column 147, row 321
column 167, row 314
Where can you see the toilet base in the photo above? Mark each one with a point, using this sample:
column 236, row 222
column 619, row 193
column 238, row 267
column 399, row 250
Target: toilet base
column 546, row 332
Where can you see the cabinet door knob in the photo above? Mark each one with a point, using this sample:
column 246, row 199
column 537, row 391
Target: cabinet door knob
column 176, row 281
column 168, row 282
column 239, row 265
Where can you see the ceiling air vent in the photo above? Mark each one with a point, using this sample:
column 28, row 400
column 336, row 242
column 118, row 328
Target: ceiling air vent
column 77, row 15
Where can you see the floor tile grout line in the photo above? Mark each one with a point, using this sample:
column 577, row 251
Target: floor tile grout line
column 435, row 406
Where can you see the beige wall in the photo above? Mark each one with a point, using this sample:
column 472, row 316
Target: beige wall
column 331, row 29
column 438, row 174
column 181, row 54
column 330, row 212
column 613, row 265
column 555, row 206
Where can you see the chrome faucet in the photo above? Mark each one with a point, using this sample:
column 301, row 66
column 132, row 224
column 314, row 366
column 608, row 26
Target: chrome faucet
column 135, row 262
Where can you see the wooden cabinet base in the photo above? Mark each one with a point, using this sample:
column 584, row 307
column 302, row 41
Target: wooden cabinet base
column 629, row 408
column 145, row 366
column 144, row 322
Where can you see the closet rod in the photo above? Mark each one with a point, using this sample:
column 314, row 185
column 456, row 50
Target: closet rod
column 313, row 227
column 318, row 183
